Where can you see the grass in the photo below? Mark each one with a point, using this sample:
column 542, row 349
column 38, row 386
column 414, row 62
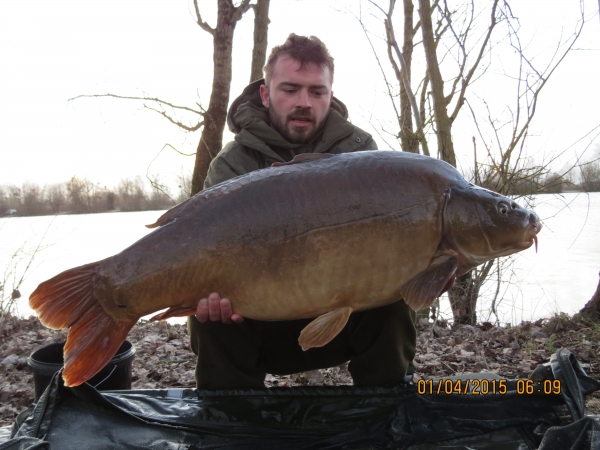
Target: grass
column 550, row 343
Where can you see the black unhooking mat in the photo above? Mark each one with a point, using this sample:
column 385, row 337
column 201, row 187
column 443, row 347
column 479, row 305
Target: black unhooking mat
column 524, row 417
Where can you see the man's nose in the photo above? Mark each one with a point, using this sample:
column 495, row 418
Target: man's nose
column 303, row 100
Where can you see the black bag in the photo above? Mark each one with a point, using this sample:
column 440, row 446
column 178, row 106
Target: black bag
column 341, row 417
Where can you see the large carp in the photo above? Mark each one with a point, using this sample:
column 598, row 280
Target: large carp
column 320, row 237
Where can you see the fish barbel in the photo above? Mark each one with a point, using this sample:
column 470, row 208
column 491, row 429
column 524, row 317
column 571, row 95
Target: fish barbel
column 321, row 236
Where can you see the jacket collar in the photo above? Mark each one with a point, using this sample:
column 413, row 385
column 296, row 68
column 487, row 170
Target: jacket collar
column 249, row 120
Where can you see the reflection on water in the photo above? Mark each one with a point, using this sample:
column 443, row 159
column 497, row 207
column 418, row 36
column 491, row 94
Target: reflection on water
column 562, row 276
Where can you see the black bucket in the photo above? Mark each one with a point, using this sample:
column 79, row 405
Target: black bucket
column 48, row 360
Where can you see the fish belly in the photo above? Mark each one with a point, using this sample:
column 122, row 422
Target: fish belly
column 361, row 264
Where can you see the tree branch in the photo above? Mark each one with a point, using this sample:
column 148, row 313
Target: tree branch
column 201, row 112
column 467, row 79
column 543, row 78
column 176, row 122
column 206, row 27
column 240, row 10
column 391, row 40
column 387, row 83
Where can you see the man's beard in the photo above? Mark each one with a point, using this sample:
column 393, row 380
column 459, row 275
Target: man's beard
column 293, row 134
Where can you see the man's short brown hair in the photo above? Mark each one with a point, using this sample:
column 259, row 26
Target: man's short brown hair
column 306, row 50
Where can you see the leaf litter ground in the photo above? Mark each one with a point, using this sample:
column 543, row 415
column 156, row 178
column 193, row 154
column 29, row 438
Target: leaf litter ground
column 164, row 358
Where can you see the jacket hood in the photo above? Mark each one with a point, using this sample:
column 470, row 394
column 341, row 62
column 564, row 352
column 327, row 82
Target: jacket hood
column 249, row 101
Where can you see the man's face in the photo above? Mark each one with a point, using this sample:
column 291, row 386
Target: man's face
column 298, row 100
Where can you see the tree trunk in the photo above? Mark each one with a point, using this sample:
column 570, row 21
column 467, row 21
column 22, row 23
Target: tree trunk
column 410, row 142
column 261, row 27
column 463, row 299
column 592, row 308
column 215, row 116
column 442, row 120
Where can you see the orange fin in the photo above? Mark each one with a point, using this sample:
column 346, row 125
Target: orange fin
column 302, row 158
column 174, row 311
column 324, row 328
column 62, row 300
column 91, row 344
column 67, row 301
column 423, row 289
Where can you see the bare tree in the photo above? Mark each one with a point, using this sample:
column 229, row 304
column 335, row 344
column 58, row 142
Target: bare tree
column 215, row 116
column 456, row 45
column 212, row 119
column 56, row 197
column 401, row 62
column 590, row 173
column 590, row 177
column 78, row 191
column 184, row 183
column 259, row 51
column 32, row 199
column 131, row 195
column 591, row 310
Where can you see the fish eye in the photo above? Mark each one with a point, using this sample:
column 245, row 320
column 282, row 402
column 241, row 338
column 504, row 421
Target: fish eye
column 503, row 208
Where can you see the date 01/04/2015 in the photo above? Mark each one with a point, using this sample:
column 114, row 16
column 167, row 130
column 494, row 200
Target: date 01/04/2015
column 486, row 387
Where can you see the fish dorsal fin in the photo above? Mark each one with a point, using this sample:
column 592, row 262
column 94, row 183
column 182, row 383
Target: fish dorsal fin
column 191, row 203
column 324, row 328
column 303, row 158
column 171, row 214
column 422, row 290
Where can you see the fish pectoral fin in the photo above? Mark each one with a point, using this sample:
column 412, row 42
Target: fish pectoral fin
column 324, row 328
column 302, row 158
column 422, row 290
column 174, row 311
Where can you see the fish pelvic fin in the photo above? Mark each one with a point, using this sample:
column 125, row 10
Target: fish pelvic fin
column 174, row 311
column 67, row 301
column 422, row 290
column 324, row 328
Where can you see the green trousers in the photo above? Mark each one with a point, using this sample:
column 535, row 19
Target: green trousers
column 379, row 343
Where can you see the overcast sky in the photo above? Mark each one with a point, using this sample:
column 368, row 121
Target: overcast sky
column 53, row 51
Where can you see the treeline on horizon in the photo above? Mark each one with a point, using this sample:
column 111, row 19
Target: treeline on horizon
column 82, row 196
column 531, row 181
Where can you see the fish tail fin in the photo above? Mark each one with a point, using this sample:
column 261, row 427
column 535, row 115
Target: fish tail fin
column 91, row 343
column 67, row 301
column 63, row 299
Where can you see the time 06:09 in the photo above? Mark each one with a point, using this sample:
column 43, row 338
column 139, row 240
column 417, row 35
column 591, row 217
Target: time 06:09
column 543, row 386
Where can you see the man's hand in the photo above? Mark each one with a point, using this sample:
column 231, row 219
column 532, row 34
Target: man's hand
column 216, row 309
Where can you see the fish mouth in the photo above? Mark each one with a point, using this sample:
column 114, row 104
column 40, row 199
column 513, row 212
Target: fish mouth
column 531, row 236
column 467, row 259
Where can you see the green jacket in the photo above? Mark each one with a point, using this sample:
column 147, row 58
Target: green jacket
column 257, row 145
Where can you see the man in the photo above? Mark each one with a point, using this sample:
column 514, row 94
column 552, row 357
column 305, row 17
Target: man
column 293, row 111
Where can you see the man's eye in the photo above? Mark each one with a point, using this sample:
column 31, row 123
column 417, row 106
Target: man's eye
column 289, row 91
column 319, row 93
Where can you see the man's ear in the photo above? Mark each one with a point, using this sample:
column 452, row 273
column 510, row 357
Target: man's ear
column 264, row 95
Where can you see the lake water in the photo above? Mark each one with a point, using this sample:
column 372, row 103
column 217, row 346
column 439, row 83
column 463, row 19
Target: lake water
column 562, row 276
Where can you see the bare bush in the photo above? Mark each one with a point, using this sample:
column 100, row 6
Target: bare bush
column 590, row 177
